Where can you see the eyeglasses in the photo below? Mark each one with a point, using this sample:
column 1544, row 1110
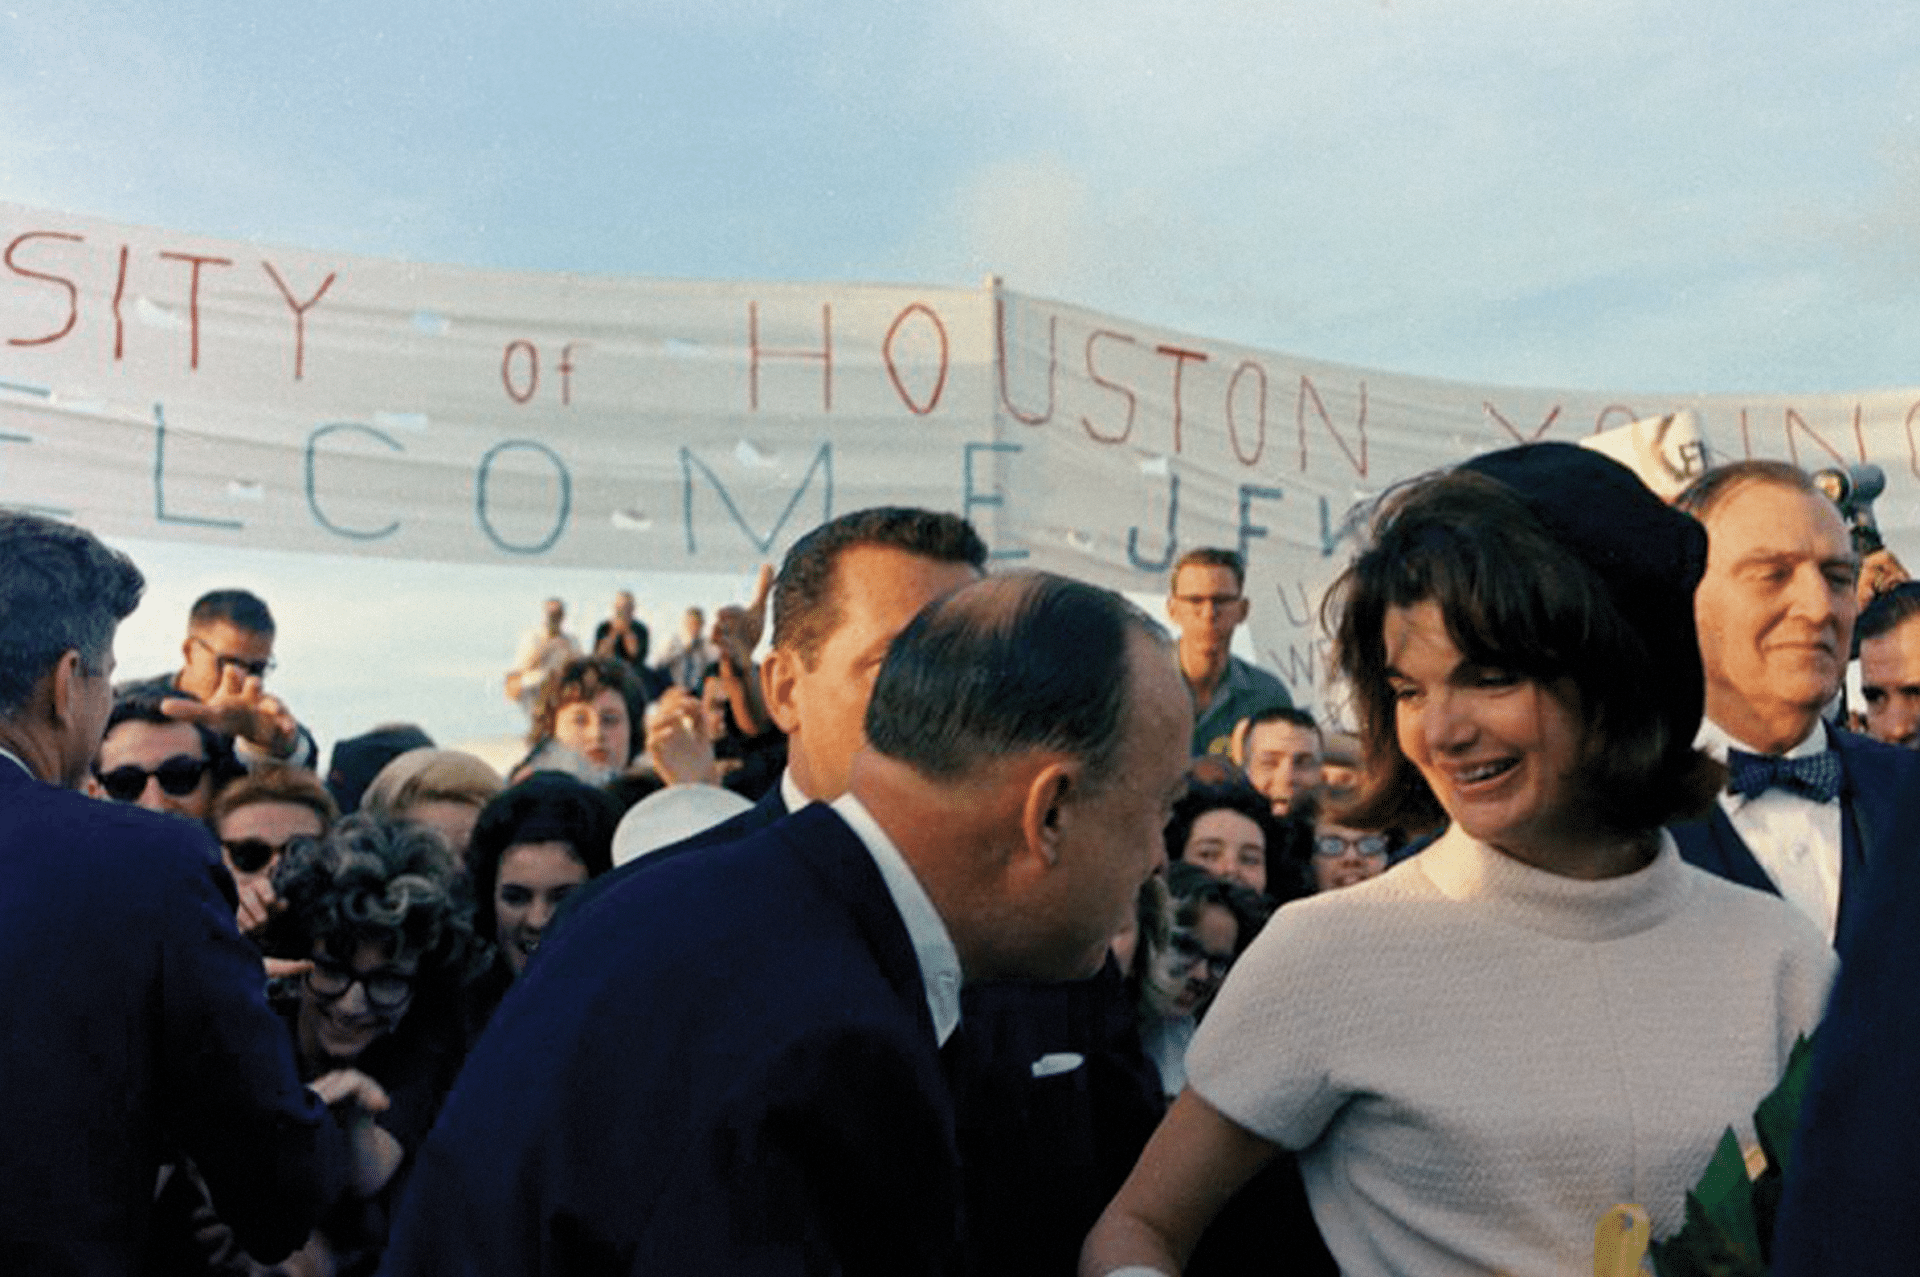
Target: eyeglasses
column 1334, row 846
column 251, row 855
column 258, row 669
column 1218, row 602
column 1187, row 952
column 178, row 776
column 387, row 990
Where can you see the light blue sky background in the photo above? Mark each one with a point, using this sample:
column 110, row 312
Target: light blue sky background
column 1717, row 197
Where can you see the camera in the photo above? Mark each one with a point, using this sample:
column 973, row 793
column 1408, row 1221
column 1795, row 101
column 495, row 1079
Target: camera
column 1854, row 490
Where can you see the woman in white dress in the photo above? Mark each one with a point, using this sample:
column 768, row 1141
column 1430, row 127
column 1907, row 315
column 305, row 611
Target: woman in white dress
column 1546, row 1012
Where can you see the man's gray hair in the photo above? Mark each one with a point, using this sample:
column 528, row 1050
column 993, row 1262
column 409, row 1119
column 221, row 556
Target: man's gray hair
column 61, row 591
column 1022, row 661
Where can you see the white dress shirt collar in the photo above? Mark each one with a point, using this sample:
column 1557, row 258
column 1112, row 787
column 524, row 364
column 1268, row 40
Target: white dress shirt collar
column 932, row 946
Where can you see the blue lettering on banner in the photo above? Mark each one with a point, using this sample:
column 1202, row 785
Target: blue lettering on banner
column 1165, row 561
column 160, row 482
column 822, row 464
column 313, row 487
column 1330, row 536
column 972, row 496
column 1248, row 529
column 480, row 496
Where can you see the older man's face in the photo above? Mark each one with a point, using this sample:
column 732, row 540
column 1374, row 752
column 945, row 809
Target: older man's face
column 1775, row 612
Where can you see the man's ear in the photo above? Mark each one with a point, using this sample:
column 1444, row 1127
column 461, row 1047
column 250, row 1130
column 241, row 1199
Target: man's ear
column 63, row 690
column 1237, row 743
column 1047, row 811
column 779, row 673
column 1241, row 607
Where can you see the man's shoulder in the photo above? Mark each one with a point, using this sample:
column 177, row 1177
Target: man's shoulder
column 1249, row 679
column 125, row 853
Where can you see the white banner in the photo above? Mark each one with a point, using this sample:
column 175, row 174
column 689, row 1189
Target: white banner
column 160, row 384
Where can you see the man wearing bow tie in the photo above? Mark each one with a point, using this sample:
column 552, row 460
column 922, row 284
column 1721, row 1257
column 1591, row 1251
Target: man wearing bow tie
column 1809, row 807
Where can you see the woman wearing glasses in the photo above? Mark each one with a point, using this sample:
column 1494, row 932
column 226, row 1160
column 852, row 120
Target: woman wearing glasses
column 379, row 912
column 1546, row 1012
column 256, row 818
column 1343, row 855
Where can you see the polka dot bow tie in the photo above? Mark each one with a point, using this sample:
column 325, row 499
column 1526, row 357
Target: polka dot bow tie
column 1817, row 776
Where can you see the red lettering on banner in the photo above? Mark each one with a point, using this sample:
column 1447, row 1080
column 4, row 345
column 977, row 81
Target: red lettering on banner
column 1600, row 422
column 532, row 353
column 754, row 353
column 1746, row 434
column 1308, row 391
column 1233, row 426
column 1795, row 419
column 193, row 295
column 1053, row 363
column 893, row 372
column 1133, row 400
column 300, row 310
column 1517, row 436
column 1180, row 358
column 1913, row 452
column 119, row 292
column 566, row 371
column 73, row 293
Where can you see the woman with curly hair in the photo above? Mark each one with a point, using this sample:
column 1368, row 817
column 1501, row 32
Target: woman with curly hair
column 584, row 721
column 379, row 914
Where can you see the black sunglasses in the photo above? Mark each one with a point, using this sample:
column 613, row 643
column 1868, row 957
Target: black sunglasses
column 250, row 855
column 178, row 776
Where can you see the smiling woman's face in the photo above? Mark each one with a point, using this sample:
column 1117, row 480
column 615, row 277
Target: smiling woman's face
column 534, row 878
column 1500, row 752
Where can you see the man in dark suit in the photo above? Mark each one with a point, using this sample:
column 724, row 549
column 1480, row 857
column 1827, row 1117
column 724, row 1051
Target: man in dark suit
column 730, row 1063
column 1810, row 807
column 136, row 1023
column 1054, row 1096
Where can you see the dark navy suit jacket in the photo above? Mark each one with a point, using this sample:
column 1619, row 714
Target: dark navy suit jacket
column 1852, row 1199
column 1880, row 820
column 1041, row 1155
column 136, row 1028
column 725, row 1065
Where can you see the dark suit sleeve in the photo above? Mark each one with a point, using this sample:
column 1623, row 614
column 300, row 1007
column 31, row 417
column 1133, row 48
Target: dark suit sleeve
column 264, row 1143
column 1852, row 1197
column 838, row 1158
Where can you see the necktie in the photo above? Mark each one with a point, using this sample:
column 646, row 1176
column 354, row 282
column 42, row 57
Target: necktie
column 1816, row 776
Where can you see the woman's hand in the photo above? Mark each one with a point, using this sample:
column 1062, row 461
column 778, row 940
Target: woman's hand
column 374, row 1154
column 676, row 741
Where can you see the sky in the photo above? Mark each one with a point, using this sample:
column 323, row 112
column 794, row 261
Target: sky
column 1713, row 198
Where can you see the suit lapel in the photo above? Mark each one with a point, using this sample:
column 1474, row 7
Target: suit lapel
column 1717, row 847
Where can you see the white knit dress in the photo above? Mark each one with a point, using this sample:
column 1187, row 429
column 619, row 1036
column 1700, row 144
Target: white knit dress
column 1476, row 1059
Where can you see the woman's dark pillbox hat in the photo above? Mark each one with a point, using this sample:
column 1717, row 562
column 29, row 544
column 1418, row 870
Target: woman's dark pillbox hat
column 1649, row 555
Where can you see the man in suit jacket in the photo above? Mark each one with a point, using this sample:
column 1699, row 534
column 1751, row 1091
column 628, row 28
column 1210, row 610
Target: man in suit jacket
column 730, row 1063
column 136, row 1025
column 1054, row 1096
column 1810, row 807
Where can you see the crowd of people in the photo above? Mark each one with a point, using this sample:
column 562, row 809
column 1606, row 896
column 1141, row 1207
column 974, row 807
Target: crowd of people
column 971, row 922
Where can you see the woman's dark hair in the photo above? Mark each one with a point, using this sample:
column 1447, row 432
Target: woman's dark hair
column 1516, row 598
column 545, row 807
column 582, row 679
column 386, row 882
column 1193, row 889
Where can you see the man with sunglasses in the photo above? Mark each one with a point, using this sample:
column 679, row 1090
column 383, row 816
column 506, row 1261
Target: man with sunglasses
column 226, row 658
column 157, row 762
column 137, row 1027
